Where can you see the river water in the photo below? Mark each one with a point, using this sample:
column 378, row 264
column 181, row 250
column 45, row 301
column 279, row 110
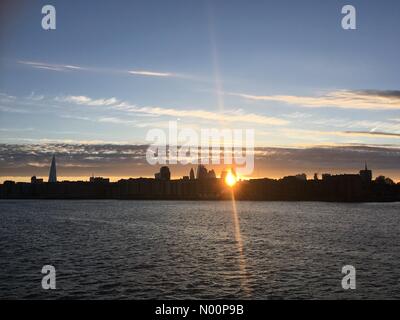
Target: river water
column 198, row 250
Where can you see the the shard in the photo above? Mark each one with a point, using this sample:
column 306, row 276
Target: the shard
column 53, row 170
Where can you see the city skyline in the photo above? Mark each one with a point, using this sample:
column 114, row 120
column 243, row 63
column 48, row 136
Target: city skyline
column 205, row 185
column 79, row 162
column 319, row 98
column 196, row 172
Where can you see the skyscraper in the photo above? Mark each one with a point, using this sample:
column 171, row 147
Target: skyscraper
column 211, row 174
column 164, row 174
column 191, row 175
column 201, row 172
column 53, row 170
column 366, row 175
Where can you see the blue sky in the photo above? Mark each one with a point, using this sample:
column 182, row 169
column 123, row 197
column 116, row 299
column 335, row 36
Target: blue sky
column 112, row 70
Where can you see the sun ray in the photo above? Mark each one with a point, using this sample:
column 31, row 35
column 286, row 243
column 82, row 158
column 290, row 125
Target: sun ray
column 244, row 279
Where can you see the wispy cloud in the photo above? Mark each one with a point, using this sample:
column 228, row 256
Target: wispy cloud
column 318, row 134
column 83, row 100
column 346, row 99
column 116, row 120
column 50, row 66
column 41, row 141
column 112, row 103
column 228, row 116
column 67, row 67
column 374, row 133
column 151, row 73
column 361, row 125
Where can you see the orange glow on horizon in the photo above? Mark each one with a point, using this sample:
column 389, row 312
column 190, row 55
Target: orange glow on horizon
column 259, row 174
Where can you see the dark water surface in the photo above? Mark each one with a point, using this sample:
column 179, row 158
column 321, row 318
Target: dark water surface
column 170, row 249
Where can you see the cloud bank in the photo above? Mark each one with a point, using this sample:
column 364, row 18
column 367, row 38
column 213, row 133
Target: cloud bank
column 130, row 161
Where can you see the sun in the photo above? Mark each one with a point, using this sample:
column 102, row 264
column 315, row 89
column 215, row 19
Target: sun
column 230, row 179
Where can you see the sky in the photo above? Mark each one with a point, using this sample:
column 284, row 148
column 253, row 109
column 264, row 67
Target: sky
column 113, row 70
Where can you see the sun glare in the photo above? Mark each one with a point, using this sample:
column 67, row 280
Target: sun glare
column 230, row 179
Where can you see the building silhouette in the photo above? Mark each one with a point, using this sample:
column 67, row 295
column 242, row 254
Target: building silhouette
column 202, row 172
column 211, row 174
column 191, row 175
column 94, row 179
column 34, row 179
column 366, row 175
column 53, row 170
column 340, row 187
column 301, row 176
column 164, row 174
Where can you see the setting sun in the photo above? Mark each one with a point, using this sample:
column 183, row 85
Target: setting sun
column 230, row 179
